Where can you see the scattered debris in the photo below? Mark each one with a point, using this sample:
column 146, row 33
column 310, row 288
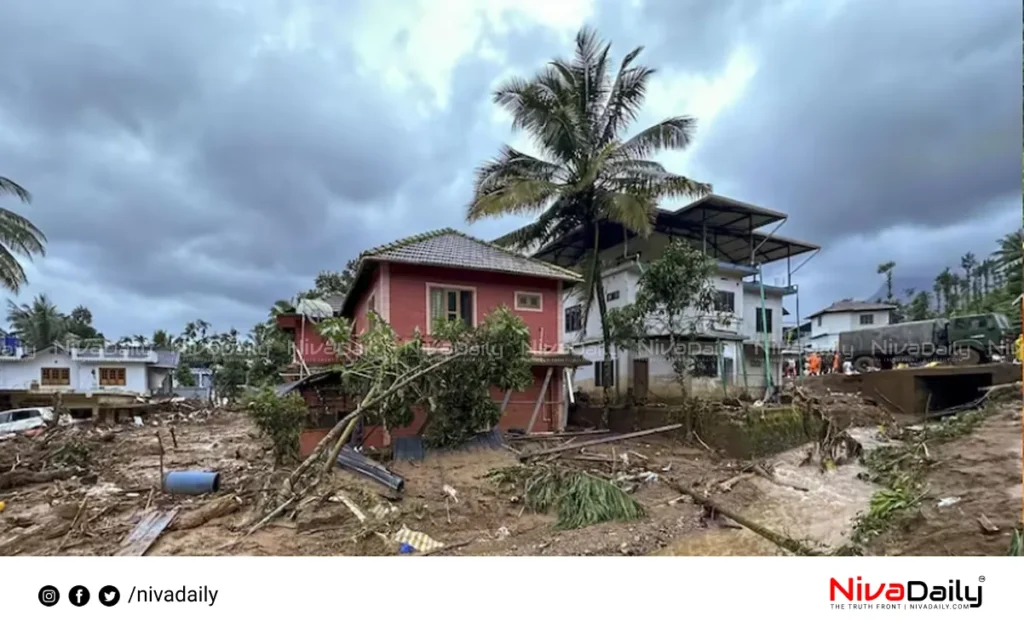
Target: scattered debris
column 147, row 531
column 603, row 440
column 212, row 509
column 948, row 501
column 350, row 459
column 987, row 526
column 416, row 541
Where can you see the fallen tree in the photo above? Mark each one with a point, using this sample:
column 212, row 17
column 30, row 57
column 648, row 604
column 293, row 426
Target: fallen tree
column 449, row 376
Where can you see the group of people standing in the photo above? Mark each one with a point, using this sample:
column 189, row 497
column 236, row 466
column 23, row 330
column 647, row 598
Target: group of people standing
column 818, row 364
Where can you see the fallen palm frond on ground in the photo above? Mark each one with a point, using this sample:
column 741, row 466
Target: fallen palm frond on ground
column 579, row 498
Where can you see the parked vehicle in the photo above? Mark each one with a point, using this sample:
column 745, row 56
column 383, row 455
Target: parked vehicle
column 967, row 340
column 19, row 420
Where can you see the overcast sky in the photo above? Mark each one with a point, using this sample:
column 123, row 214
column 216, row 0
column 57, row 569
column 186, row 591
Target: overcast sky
column 202, row 158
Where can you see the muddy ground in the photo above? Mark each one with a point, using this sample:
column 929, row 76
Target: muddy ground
column 977, row 476
column 116, row 483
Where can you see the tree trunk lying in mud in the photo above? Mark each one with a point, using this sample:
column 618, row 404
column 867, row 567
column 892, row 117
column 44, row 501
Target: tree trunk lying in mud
column 785, row 543
column 18, row 478
column 213, row 509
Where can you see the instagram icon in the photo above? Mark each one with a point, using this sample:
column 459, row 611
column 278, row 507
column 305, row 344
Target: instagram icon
column 49, row 596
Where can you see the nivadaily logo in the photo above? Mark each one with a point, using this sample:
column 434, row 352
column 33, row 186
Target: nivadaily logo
column 912, row 594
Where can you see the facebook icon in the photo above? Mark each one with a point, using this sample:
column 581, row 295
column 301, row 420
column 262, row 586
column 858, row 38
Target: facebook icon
column 79, row 596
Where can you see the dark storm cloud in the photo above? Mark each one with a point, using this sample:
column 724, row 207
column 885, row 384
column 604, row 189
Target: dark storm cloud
column 185, row 153
column 875, row 114
column 179, row 152
column 862, row 115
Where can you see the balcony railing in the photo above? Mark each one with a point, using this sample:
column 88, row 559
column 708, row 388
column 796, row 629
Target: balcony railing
column 114, row 353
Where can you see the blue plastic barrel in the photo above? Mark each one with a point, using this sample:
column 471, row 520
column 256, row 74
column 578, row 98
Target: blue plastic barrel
column 191, row 482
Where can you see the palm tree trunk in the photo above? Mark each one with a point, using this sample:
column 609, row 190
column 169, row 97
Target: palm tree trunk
column 602, row 310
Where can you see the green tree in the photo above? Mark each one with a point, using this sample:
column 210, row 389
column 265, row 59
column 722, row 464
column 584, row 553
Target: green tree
column 918, row 308
column 969, row 262
column 161, row 339
column 18, row 236
column 675, row 297
column 1009, row 261
column 79, row 325
column 272, row 353
column 38, row 324
column 279, row 419
column 330, row 283
column 886, row 269
column 586, row 175
column 183, row 375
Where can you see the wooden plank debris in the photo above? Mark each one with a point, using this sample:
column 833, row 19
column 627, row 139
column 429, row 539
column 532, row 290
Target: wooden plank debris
column 146, row 532
column 540, row 399
column 603, row 440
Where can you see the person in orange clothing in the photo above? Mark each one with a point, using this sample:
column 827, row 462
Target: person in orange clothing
column 814, row 364
column 837, row 362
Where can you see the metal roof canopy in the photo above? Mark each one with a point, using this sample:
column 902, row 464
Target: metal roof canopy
column 726, row 226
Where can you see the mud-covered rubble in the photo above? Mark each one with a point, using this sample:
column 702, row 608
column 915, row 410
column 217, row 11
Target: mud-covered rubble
column 79, row 489
column 106, row 481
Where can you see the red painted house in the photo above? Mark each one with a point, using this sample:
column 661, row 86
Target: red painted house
column 447, row 274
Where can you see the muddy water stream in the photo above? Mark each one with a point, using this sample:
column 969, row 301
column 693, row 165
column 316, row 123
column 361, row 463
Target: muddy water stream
column 823, row 515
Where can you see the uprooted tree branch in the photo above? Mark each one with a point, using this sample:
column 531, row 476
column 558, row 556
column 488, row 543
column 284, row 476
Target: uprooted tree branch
column 448, row 376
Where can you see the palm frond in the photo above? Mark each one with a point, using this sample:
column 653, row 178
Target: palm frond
column 18, row 234
column 624, row 98
column 674, row 133
column 12, row 275
column 633, row 211
column 517, row 197
column 10, row 187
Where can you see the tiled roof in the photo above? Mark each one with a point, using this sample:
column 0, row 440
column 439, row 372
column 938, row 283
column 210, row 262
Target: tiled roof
column 847, row 305
column 448, row 247
column 335, row 301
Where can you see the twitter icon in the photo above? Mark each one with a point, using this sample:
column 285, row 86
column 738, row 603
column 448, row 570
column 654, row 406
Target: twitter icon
column 109, row 596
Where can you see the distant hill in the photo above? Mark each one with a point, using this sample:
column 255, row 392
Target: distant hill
column 900, row 285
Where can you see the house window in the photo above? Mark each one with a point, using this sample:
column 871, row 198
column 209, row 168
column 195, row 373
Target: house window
column 604, row 373
column 764, row 320
column 612, row 296
column 867, row 319
column 574, row 318
column 371, row 303
column 451, row 304
column 819, row 321
column 725, row 301
column 705, row 366
column 112, row 377
column 55, row 376
column 529, row 301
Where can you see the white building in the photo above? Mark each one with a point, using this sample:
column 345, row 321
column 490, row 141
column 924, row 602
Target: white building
column 729, row 352
column 82, row 374
column 845, row 316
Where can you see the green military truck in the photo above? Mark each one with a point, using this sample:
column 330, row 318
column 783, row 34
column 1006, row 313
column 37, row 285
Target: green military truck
column 967, row 340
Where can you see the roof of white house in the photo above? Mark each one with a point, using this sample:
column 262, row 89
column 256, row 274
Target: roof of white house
column 848, row 305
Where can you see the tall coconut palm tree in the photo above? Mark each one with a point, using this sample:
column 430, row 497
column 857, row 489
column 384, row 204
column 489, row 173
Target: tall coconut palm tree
column 39, row 324
column 576, row 112
column 18, row 236
column 1009, row 260
column 968, row 263
column 886, row 269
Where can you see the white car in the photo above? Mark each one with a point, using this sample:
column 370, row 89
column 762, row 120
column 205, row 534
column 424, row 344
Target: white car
column 19, row 420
